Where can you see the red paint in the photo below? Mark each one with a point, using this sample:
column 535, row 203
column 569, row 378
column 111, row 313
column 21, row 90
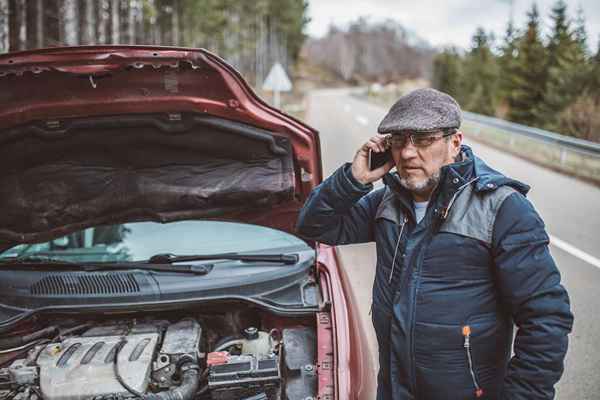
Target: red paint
column 76, row 82
column 354, row 378
column 54, row 84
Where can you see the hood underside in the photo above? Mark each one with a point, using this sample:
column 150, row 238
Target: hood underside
column 110, row 136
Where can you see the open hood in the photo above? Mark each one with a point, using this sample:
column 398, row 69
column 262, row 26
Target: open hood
column 105, row 135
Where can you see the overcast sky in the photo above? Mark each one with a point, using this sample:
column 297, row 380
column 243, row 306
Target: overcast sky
column 451, row 22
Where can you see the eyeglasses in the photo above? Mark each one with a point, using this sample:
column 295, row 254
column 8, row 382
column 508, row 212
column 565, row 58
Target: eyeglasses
column 418, row 139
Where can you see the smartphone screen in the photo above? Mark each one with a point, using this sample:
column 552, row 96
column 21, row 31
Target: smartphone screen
column 376, row 160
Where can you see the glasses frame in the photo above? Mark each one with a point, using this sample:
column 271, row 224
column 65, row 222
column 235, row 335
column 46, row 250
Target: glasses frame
column 412, row 134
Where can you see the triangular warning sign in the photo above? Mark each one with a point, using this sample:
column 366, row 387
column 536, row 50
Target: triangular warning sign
column 277, row 80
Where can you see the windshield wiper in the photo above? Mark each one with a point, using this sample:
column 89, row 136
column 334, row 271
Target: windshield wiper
column 34, row 260
column 274, row 258
column 188, row 269
column 37, row 261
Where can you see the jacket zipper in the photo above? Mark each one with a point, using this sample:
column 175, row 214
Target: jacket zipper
column 466, row 331
column 396, row 250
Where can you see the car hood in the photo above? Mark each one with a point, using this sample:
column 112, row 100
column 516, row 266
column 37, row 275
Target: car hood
column 110, row 134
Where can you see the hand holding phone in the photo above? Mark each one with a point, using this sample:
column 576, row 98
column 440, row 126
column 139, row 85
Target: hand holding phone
column 377, row 159
column 372, row 160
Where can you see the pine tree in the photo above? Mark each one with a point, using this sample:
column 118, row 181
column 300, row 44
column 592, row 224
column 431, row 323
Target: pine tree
column 528, row 76
column 564, row 67
column 507, row 60
column 447, row 70
column 480, row 78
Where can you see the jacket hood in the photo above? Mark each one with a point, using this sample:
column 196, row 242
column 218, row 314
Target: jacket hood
column 112, row 134
column 469, row 169
column 489, row 178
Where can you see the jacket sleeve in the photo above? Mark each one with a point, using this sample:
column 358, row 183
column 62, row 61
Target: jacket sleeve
column 339, row 211
column 529, row 283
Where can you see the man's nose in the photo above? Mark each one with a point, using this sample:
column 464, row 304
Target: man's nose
column 408, row 150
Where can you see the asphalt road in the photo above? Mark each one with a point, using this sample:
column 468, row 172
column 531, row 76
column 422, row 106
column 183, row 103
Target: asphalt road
column 570, row 209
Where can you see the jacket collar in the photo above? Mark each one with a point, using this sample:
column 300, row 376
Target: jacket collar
column 455, row 177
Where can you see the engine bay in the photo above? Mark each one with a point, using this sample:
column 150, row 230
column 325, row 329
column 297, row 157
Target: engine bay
column 242, row 353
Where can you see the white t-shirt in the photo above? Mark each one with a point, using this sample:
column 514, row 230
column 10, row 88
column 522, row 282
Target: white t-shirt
column 420, row 208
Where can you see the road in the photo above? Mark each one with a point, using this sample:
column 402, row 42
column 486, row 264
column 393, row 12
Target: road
column 570, row 209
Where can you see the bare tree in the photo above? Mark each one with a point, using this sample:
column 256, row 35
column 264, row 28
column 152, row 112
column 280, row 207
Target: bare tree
column 175, row 24
column 130, row 14
column 4, row 32
column 101, row 21
column 17, row 11
column 88, row 22
column 51, row 35
column 69, row 23
column 115, row 26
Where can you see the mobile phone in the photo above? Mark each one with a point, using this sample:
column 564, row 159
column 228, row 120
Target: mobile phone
column 376, row 159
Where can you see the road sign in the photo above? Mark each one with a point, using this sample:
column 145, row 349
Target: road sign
column 277, row 81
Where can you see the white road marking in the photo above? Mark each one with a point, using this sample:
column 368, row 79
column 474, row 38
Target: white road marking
column 362, row 120
column 574, row 251
column 347, row 107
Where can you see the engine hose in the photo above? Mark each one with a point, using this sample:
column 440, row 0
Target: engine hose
column 18, row 341
column 185, row 391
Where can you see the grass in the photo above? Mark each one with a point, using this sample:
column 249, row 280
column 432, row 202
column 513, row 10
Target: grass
column 573, row 163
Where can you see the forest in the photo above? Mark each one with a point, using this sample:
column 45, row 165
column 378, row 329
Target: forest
column 547, row 81
column 251, row 35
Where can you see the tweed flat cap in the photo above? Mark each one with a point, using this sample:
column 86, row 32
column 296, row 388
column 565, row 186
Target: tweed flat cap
column 422, row 110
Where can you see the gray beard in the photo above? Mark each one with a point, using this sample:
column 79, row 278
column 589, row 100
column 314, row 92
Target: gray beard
column 421, row 186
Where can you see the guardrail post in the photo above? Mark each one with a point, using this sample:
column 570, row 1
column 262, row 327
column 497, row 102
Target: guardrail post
column 563, row 155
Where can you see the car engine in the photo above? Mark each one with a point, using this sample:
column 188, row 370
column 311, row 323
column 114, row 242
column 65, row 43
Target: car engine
column 156, row 360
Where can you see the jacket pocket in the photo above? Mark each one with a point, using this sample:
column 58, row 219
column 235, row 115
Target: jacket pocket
column 482, row 349
column 442, row 358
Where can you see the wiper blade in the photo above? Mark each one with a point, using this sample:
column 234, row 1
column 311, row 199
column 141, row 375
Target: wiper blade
column 274, row 258
column 34, row 260
column 188, row 269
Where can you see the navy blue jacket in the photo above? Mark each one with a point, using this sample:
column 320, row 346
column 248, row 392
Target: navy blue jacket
column 449, row 289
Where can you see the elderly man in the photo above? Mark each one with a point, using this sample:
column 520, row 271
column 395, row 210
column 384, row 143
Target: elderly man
column 462, row 256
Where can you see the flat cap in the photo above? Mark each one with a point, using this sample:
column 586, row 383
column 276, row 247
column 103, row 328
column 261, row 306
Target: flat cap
column 422, row 110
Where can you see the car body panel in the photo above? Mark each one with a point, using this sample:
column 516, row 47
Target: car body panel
column 50, row 86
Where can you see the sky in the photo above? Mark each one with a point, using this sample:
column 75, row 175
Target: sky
column 451, row 22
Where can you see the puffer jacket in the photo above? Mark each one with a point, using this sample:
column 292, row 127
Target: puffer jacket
column 449, row 289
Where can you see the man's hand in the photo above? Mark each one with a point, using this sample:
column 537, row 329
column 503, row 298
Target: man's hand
column 360, row 164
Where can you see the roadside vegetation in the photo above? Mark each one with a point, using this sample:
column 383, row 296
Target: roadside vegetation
column 251, row 35
column 550, row 82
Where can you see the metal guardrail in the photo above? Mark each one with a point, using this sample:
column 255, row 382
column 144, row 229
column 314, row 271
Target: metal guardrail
column 570, row 143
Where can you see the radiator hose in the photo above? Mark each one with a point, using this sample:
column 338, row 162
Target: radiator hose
column 18, row 341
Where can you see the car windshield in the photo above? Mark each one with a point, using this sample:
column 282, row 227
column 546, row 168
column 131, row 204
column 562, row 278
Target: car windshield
column 140, row 240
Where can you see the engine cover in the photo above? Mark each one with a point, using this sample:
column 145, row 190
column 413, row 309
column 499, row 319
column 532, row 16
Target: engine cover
column 80, row 368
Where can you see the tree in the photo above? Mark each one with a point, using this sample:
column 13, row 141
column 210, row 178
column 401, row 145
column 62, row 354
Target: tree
column 17, row 25
column 4, row 32
column 507, row 61
column 480, row 78
column 564, row 70
column 447, row 73
column 529, row 74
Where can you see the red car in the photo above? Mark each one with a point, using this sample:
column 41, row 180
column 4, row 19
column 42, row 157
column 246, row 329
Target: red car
column 147, row 244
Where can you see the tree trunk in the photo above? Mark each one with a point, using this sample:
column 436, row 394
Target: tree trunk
column 68, row 22
column 4, row 30
column 175, row 25
column 35, row 24
column 17, row 25
column 115, row 26
column 51, row 27
column 101, row 18
column 88, row 25
column 131, row 22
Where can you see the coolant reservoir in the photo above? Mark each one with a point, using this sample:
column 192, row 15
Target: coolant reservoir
column 257, row 342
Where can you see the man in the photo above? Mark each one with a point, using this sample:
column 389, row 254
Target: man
column 462, row 255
